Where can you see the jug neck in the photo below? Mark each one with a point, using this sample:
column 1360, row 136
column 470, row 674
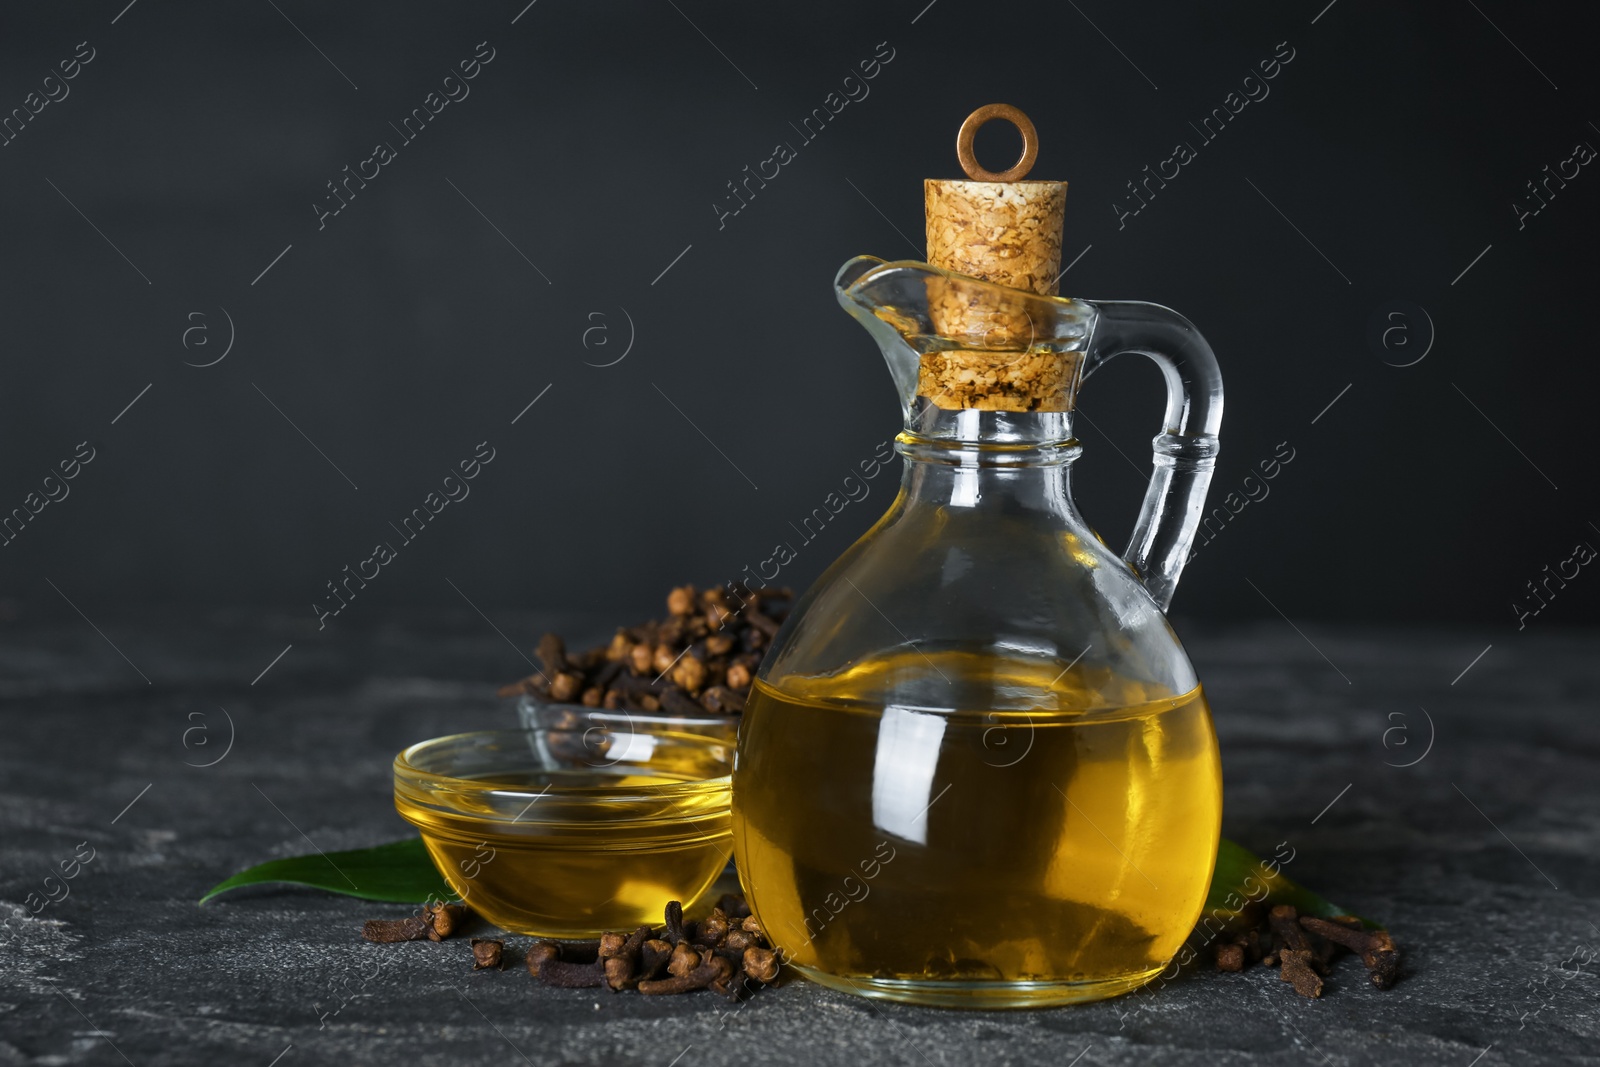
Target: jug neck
column 1011, row 461
column 975, row 438
column 958, row 480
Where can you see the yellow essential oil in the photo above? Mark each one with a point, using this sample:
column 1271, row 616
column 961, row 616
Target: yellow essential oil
column 601, row 848
column 1054, row 851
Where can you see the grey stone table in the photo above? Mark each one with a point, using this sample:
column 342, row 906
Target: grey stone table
column 1483, row 856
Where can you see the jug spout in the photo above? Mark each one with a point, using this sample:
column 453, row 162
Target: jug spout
column 1016, row 381
column 956, row 342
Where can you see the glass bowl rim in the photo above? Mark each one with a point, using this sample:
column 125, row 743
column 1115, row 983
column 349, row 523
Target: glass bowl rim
column 527, row 705
column 408, row 775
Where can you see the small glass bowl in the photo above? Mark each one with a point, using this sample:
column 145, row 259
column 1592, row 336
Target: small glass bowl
column 588, row 821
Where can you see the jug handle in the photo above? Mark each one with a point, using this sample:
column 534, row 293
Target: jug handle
column 1185, row 450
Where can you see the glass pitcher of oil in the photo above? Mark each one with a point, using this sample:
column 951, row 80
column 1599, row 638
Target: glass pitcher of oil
column 976, row 768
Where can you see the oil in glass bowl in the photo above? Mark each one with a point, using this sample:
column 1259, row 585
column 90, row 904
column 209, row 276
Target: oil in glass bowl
column 573, row 829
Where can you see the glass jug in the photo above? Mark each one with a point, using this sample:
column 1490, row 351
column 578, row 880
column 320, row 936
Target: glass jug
column 976, row 768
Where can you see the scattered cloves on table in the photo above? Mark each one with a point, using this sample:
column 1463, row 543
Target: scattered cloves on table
column 1303, row 947
column 727, row 953
column 700, row 658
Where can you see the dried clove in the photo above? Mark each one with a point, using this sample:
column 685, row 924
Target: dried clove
column 565, row 686
column 723, row 700
column 620, row 967
column 1297, row 971
column 673, row 932
column 488, row 952
column 690, row 673
column 713, row 929
column 443, row 919
column 411, row 928
column 435, row 923
column 552, row 654
column 1286, row 930
column 1298, row 960
column 541, row 953
column 565, row 975
column 733, row 986
column 653, row 957
column 681, row 600
column 580, row 951
column 685, row 958
column 761, row 963
column 1375, row 947
column 711, row 968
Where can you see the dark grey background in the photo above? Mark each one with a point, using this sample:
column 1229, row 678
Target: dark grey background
column 597, row 140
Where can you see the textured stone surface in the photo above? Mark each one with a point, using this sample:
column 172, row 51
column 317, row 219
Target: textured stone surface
column 1497, row 919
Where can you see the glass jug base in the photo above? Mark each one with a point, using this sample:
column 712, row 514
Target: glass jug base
column 980, row 996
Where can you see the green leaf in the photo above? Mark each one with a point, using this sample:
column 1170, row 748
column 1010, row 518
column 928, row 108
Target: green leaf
column 1242, row 875
column 400, row 871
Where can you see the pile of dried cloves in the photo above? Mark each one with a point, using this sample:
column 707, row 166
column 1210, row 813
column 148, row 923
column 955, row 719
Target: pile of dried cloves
column 727, row 952
column 1303, row 946
column 700, row 658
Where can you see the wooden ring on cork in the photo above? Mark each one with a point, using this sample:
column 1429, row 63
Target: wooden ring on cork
column 986, row 114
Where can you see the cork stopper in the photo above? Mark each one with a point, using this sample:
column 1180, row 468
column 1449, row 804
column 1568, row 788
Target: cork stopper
column 1008, row 233
column 1000, row 229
